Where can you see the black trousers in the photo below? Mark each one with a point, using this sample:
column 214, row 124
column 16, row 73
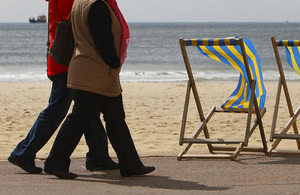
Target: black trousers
column 86, row 107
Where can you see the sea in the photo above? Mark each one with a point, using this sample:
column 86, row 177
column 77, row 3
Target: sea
column 154, row 54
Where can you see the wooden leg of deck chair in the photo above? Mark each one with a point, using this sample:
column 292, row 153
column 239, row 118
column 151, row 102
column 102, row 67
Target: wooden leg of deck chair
column 246, row 149
column 296, row 132
column 185, row 112
column 183, row 124
column 290, row 107
column 285, row 88
column 201, row 115
column 263, row 137
column 237, row 151
column 258, row 120
column 204, row 123
column 255, row 124
column 295, row 127
column 275, row 114
column 200, row 112
column 249, row 118
column 277, row 141
column 261, row 128
column 179, row 157
column 284, row 131
column 291, row 121
column 292, row 115
column 196, row 134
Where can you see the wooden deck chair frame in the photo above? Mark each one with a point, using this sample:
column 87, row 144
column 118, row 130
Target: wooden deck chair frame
column 230, row 152
column 293, row 115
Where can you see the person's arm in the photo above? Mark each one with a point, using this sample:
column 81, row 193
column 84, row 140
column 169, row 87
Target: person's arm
column 100, row 25
column 54, row 16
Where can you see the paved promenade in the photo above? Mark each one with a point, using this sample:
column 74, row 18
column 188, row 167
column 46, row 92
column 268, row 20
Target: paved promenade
column 250, row 174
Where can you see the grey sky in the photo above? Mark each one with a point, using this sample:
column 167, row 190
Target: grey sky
column 174, row 10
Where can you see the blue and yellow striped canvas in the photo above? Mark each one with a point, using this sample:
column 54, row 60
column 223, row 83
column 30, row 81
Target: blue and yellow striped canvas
column 292, row 53
column 226, row 51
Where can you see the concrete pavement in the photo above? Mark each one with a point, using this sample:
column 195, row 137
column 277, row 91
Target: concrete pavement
column 249, row 174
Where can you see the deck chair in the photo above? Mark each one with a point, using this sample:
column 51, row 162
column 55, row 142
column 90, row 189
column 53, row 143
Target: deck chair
column 248, row 98
column 293, row 58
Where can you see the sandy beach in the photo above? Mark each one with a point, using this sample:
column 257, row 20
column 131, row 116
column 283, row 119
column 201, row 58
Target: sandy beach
column 153, row 114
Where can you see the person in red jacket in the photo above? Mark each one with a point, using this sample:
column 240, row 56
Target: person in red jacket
column 59, row 102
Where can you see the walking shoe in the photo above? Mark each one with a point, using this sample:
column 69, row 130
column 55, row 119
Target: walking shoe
column 108, row 166
column 60, row 174
column 26, row 167
column 141, row 171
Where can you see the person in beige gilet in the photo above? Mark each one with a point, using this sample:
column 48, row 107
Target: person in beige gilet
column 101, row 37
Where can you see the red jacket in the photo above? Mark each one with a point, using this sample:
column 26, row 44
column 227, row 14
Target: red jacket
column 59, row 10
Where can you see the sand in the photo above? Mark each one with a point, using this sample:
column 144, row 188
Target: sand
column 153, row 114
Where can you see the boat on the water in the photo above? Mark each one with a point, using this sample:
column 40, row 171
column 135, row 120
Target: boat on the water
column 40, row 19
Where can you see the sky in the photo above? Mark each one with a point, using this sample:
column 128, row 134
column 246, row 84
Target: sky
column 174, row 10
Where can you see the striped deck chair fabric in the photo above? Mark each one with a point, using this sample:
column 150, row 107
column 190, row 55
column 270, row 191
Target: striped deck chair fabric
column 292, row 53
column 230, row 54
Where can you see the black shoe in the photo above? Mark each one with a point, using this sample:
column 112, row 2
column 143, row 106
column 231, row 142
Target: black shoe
column 28, row 168
column 141, row 171
column 60, row 174
column 108, row 166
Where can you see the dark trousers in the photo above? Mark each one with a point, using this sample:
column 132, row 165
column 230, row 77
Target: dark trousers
column 86, row 107
column 49, row 120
